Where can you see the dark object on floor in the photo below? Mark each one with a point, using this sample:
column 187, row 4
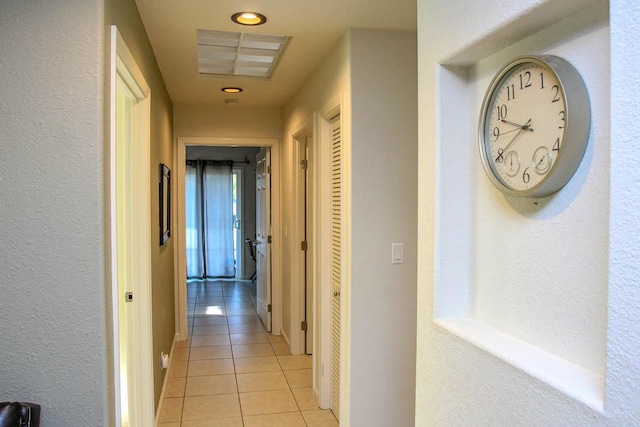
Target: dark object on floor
column 251, row 244
column 19, row 414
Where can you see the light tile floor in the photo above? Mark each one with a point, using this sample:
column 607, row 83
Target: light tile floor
column 231, row 372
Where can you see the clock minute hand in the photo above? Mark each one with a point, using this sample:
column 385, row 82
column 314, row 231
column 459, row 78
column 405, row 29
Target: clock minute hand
column 517, row 135
column 525, row 126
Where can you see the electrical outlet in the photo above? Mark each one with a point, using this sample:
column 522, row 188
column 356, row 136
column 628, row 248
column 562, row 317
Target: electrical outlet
column 164, row 360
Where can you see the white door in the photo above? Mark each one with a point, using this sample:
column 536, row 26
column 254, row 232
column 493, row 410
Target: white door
column 130, row 250
column 124, row 244
column 263, row 237
column 336, row 261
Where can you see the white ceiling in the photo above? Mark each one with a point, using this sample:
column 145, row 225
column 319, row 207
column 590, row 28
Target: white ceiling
column 314, row 25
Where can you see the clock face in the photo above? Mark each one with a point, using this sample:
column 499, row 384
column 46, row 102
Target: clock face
column 524, row 125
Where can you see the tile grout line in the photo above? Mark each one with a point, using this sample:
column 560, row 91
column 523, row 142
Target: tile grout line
column 285, row 377
column 227, row 299
column 233, row 358
column 189, row 335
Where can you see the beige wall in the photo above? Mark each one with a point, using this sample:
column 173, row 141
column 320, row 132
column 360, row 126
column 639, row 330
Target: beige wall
column 327, row 82
column 124, row 14
column 227, row 122
column 384, row 165
column 379, row 123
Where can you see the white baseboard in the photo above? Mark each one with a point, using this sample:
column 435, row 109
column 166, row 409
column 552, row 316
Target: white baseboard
column 285, row 337
column 164, row 383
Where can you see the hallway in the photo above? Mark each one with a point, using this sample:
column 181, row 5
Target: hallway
column 231, row 372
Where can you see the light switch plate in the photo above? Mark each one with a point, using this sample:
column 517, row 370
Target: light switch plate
column 397, row 253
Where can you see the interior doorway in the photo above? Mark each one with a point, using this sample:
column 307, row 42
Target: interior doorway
column 130, row 220
column 303, row 243
column 190, row 143
column 306, row 200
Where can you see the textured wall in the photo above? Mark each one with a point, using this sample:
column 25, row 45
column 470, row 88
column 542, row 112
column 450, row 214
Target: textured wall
column 53, row 312
column 586, row 307
column 623, row 370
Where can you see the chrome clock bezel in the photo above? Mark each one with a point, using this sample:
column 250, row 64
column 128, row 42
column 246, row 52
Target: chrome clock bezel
column 576, row 132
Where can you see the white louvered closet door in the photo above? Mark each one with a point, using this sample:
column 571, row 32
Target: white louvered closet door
column 336, row 260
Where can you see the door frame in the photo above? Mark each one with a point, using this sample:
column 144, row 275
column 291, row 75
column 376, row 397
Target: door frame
column 182, row 330
column 322, row 257
column 140, row 386
column 298, row 300
column 262, row 246
column 239, row 251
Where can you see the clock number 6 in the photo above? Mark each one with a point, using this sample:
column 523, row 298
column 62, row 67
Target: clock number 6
column 525, row 176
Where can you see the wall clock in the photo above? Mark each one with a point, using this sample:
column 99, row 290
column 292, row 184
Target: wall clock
column 534, row 126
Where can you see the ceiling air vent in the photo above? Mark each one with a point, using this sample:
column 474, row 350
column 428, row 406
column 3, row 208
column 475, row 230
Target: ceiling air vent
column 238, row 54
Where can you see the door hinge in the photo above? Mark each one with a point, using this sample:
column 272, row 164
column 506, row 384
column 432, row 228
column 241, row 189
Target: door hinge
column 304, row 245
column 269, row 308
column 268, row 239
column 303, row 325
column 304, row 164
column 269, row 169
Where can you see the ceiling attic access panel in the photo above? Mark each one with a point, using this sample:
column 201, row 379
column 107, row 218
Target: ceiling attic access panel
column 239, row 54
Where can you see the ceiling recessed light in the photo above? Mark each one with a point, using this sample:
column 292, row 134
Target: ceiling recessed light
column 231, row 89
column 248, row 18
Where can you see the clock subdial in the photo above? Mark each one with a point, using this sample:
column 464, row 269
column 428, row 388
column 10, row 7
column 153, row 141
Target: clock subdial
column 542, row 160
column 511, row 163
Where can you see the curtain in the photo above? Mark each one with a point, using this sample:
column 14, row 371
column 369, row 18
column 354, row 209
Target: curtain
column 193, row 199
column 218, row 219
column 209, row 219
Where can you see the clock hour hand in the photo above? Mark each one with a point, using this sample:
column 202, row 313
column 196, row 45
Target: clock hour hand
column 517, row 135
column 526, row 126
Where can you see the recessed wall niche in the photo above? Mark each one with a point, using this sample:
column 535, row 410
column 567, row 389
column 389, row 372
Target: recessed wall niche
column 526, row 279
